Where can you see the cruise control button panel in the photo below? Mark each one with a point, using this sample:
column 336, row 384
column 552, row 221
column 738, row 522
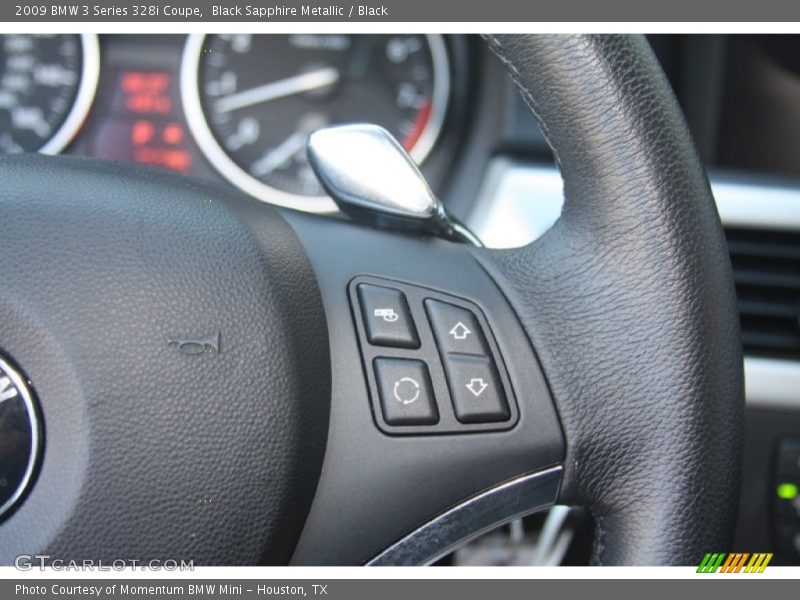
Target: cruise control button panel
column 431, row 361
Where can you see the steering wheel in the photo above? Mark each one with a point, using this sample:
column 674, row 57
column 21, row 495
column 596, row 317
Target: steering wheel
column 221, row 381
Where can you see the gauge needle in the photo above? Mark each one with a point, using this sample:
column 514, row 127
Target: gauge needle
column 280, row 154
column 297, row 84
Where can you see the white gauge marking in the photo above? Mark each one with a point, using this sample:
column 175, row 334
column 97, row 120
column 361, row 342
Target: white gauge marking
column 90, row 74
column 297, row 84
column 280, row 154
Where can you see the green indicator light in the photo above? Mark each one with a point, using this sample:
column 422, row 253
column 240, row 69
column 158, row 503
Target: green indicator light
column 787, row 491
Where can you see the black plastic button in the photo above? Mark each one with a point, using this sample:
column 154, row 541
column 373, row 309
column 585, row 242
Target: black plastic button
column 405, row 392
column 386, row 317
column 456, row 329
column 476, row 389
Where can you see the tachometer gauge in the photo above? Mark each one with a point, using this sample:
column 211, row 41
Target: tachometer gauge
column 47, row 84
column 252, row 100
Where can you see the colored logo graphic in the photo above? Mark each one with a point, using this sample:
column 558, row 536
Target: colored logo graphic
column 735, row 562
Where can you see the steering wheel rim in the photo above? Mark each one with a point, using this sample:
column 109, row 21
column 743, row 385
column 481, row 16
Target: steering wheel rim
column 654, row 428
column 614, row 338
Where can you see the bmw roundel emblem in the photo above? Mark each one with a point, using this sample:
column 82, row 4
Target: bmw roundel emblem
column 20, row 436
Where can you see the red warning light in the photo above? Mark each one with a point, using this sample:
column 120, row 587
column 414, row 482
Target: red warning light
column 173, row 134
column 177, row 160
column 160, row 145
column 142, row 132
column 143, row 124
column 146, row 92
column 145, row 82
column 145, row 103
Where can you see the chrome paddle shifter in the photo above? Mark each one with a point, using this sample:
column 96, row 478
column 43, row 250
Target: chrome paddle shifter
column 372, row 179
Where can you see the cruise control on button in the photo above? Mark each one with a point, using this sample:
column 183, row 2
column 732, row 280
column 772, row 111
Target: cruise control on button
column 405, row 392
column 387, row 318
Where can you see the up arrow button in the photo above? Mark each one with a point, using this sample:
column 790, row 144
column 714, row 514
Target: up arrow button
column 456, row 329
column 460, row 331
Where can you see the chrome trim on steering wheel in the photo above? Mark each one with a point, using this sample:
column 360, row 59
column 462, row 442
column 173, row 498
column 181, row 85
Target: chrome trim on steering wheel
column 494, row 507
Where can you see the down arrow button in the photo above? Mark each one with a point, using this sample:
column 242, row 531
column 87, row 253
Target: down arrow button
column 476, row 389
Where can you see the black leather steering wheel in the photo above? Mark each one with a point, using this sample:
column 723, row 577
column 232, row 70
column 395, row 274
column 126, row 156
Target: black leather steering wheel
column 208, row 390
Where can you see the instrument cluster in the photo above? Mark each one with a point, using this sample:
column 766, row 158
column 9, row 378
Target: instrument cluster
column 237, row 107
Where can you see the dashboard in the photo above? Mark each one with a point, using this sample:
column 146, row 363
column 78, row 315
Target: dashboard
column 235, row 108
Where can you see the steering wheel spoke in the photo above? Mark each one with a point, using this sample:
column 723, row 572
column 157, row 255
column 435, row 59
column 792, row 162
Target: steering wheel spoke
column 421, row 480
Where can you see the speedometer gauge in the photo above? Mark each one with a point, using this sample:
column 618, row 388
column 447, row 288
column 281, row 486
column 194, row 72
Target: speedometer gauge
column 47, row 84
column 252, row 100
